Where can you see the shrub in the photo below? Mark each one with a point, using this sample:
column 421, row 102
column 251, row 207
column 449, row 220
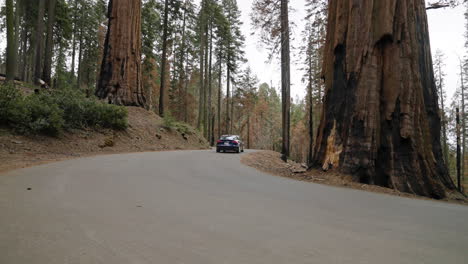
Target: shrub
column 12, row 107
column 45, row 115
column 106, row 115
column 51, row 112
column 169, row 122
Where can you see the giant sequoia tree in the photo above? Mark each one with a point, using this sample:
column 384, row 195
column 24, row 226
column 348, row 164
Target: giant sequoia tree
column 120, row 77
column 380, row 120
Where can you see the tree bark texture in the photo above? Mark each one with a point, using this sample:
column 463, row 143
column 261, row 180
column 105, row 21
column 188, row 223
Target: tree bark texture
column 285, row 80
column 47, row 70
column 228, row 84
column 164, row 59
column 38, row 42
column 220, row 78
column 11, row 47
column 380, row 120
column 120, row 77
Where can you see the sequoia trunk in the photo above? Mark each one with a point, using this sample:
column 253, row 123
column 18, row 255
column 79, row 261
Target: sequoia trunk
column 380, row 120
column 120, row 77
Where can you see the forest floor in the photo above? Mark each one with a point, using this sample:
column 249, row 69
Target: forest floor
column 146, row 132
column 270, row 162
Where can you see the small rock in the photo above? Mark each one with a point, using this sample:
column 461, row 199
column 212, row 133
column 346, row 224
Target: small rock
column 108, row 142
column 158, row 136
column 298, row 170
column 184, row 136
column 16, row 142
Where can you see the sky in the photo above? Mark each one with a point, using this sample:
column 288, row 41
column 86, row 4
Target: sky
column 446, row 29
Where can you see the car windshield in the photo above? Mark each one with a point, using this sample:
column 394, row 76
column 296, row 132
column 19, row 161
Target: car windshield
column 228, row 137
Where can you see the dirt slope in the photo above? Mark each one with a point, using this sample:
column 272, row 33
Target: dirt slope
column 146, row 132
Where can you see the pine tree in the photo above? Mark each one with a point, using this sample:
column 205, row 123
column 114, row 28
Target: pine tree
column 234, row 41
column 313, row 38
column 439, row 75
column 271, row 18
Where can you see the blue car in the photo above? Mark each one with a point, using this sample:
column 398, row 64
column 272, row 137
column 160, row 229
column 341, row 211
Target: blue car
column 230, row 143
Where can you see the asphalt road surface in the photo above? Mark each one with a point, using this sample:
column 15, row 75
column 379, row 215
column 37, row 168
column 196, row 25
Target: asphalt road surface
column 203, row 207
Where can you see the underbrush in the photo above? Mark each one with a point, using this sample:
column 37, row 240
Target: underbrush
column 51, row 112
column 171, row 123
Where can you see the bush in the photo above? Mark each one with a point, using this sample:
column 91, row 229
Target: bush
column 170, row 122
column 44, row 115
column 51, row 112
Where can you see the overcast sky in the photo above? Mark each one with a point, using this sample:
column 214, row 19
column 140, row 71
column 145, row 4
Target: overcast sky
column 446, row 27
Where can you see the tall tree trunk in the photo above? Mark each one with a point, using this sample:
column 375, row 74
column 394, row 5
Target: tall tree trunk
column 163, row 59
column 182, row 62
column 463, row 121
column 11, row 48
column 231, row 120
column 285, row 80
column 47, row 71
column 220, row 78
column 202, row 66
column 80, row 60
column 19, row 6
column 120, row 78
column 380, row 120
column 311, row 117
column 205, row 88
column 228, row 83
column 212, row 140
column 38, row 49
column 210, row 60
column 24, row 55
column 75, row 6
column 443, row 121
column 248, row 131
column 458, row 151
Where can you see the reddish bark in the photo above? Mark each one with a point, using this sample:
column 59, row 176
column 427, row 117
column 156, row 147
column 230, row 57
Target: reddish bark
column 380, row 120
column 120, row 77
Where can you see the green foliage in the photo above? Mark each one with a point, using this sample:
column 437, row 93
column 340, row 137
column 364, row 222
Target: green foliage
column 50, row 113
column 169, row 122
column 12, row 107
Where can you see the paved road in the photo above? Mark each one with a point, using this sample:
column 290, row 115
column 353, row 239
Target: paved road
column 203, row 207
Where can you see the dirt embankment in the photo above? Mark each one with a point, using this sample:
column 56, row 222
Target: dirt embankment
column 146, row 132
column 270, row 162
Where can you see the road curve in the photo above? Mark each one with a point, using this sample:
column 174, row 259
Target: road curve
column 203, row 207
